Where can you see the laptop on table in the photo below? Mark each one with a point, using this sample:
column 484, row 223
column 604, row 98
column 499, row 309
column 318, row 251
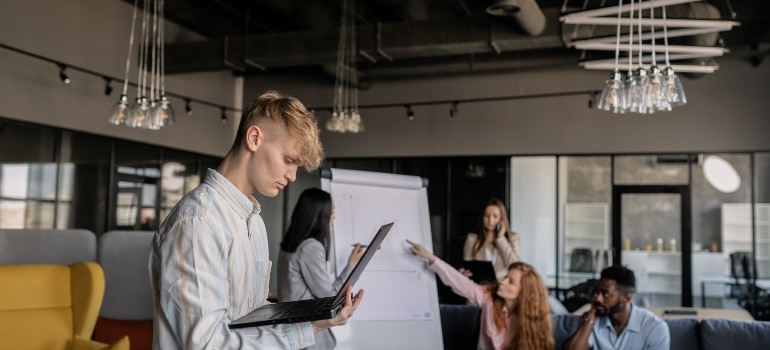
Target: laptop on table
column 311, row 309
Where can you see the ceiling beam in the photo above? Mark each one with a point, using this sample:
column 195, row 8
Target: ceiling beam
column 399, row 41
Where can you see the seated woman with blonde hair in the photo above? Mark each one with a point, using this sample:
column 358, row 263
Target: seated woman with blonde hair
column 514, row 312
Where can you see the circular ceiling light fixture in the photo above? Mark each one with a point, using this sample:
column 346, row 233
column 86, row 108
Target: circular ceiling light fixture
column 721, row 174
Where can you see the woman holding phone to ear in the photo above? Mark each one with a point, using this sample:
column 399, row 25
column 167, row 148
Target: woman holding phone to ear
column 302, row 271
column 494, row 242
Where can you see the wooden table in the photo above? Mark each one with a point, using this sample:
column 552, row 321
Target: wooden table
column 703, row 313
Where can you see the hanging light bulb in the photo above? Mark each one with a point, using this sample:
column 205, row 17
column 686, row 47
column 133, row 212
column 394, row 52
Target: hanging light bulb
column 345, row 115
column 137, row 113
column 637, row 85
column 672, row 88
column 654, row 98
column 613, row 97
column 672, row 85
column 119, row 111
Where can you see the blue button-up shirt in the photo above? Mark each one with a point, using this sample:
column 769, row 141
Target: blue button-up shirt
column 209, row 265
column 644, row 331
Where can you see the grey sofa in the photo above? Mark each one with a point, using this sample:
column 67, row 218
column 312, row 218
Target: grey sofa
column 460, row 324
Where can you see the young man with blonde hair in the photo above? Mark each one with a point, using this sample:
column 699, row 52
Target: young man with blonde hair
column 209, row 263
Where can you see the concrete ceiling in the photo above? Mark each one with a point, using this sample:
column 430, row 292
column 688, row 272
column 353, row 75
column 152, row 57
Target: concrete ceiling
column 410, row 37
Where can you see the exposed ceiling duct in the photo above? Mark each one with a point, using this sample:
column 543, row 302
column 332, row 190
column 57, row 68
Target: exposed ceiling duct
column 377, row 43
column 526, row 12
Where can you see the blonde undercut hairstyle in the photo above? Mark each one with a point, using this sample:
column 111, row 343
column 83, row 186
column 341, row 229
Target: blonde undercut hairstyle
column 290, row 112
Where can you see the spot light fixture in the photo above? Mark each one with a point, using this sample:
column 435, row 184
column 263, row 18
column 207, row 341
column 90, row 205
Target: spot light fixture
column 224, row 116
column 409, row 112
column 187, row 108
column 107, row 86
column 63, row 75
column 453, row 109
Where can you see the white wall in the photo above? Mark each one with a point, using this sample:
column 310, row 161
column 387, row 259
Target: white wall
column 727, row 111
column 93, row 34
column 533, row 212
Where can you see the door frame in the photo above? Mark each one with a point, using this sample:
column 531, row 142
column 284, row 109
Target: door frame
column 686, row 227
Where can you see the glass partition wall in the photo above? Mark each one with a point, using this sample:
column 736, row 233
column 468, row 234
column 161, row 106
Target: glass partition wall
column 682, row 222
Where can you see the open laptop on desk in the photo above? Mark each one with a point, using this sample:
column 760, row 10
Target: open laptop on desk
column 311, row 309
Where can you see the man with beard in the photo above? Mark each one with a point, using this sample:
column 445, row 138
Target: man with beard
column 614, row 322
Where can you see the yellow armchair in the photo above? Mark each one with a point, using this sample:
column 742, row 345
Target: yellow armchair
column 48, row 306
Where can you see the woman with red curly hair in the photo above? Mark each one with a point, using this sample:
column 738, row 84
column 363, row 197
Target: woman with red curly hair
column 514, row 312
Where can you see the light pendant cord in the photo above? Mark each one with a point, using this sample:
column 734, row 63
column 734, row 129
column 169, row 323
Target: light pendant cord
column 652, row 30
column 640, row 34
column 665, row 36
column 631, row 40
column 162, row 38
column 617, row 35
column 130, row 46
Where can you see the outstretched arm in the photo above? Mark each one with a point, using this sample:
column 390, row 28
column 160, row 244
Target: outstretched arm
column 459, row 283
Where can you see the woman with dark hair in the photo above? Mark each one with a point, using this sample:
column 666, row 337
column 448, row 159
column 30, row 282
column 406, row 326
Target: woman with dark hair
column 302, row 261
column 514, row 312
column 494, row 241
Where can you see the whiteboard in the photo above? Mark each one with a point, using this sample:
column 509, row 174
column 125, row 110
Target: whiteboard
column 400, row 306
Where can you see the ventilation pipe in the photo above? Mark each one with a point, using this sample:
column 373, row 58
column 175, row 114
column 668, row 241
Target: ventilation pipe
column 526, row 12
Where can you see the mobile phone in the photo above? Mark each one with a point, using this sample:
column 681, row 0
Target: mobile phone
column 498, row 227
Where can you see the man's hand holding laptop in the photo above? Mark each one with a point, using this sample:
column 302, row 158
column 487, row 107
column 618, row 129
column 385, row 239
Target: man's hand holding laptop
column 351, row 304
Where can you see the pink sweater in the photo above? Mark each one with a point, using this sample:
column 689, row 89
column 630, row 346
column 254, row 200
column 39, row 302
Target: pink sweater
column 490, row 337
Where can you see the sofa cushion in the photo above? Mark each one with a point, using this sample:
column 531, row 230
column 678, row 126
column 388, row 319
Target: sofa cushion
column 563, row 326
column 730, row 334
column 684, row 333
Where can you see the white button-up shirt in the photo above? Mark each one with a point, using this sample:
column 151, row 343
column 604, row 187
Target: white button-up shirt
column 209, row 265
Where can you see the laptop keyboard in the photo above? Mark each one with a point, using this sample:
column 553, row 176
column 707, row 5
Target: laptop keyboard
column 301, row 308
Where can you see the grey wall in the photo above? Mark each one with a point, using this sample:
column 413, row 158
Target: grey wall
column 93, row 34
column 727, row 111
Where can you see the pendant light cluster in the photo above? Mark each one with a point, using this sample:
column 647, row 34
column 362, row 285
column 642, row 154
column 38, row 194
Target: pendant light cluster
column 151, row 108
column 345, row 116
column 643, row 91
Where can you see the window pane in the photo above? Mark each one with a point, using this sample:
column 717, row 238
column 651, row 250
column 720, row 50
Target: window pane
column 12, row 214
column 585, row 193
column 721, row 223
column 84, row 176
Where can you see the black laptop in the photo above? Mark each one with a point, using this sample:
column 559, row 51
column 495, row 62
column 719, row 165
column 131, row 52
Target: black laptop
column 483, row 272
column 311, row 309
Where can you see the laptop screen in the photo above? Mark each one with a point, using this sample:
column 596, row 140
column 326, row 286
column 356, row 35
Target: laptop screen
column 361, row 265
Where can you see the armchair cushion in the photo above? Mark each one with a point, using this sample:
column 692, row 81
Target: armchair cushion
column 45, row 306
